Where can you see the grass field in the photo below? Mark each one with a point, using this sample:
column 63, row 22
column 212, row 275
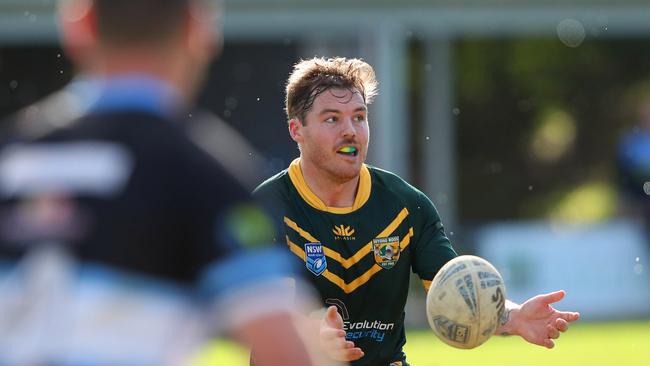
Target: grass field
column 590, row 344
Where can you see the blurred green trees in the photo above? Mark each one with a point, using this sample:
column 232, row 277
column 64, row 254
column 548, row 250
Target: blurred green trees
column 539, row 123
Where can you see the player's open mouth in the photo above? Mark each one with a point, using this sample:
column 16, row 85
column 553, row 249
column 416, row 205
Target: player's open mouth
column 348, row 150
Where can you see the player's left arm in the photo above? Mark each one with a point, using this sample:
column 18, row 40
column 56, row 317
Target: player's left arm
column 431, row 247
column 536, row 320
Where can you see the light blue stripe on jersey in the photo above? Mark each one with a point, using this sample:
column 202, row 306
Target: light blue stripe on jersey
column 133, row 92
column 110, row 278
column 246, row 269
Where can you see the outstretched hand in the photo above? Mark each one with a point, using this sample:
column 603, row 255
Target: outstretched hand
column 538, row 322
column 332, row 338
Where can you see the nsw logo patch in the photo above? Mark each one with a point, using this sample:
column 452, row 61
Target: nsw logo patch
column 386, row 251
column 315, row 258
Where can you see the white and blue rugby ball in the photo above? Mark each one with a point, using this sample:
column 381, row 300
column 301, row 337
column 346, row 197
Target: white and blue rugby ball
column 465, row 301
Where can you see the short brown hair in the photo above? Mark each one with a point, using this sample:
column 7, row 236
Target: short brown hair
column 312, row 77
column 134, row 22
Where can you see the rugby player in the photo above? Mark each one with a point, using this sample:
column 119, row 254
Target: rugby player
column 360, row 230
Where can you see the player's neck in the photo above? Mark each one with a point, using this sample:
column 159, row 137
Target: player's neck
column 128, row 61
column 332, row 191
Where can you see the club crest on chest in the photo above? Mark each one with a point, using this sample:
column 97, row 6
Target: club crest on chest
column 315, row 258
column 386, row 251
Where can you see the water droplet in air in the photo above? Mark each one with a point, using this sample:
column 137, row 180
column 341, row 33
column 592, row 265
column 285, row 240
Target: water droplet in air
column 571, row 32
column 638, row 268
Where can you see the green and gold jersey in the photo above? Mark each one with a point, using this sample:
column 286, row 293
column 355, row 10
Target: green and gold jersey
column 360, row 257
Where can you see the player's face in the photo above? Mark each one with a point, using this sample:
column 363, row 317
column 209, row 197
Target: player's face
column 334, row 137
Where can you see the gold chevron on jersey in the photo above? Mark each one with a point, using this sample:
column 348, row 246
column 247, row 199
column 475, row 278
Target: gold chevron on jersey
column 365, row 250
column 338, row 281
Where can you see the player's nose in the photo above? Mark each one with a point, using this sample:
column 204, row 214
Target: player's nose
column 347, row 128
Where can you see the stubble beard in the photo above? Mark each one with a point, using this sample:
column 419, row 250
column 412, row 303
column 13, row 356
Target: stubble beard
column 335, row 171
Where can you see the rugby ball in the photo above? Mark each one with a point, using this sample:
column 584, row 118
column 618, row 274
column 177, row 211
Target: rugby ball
column 465, row 301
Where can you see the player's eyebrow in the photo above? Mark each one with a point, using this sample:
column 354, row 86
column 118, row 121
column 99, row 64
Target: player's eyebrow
column 328, row 110
column 331, row 110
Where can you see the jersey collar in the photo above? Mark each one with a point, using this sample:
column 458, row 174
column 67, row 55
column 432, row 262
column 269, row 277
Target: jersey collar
column 298, row 181
column 140, row 92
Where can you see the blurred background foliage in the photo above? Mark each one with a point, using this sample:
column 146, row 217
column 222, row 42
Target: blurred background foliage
column 539, row 123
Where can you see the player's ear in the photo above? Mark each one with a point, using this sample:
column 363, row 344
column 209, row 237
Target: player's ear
column 78, row 29
column 295, row 129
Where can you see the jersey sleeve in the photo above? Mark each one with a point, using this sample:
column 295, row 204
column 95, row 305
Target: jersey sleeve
column 240, row 275
column 432, row 248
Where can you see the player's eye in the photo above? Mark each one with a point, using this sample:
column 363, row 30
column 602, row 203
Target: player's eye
column 331, row 119
column 359, row 118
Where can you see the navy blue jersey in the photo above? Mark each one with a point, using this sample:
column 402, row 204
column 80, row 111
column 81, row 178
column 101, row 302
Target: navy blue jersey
column 119, row 231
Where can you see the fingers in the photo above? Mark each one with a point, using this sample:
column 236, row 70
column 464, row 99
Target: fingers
column 548, row 343
column 332, row 334
column 336, row 345
column 338, row 348
column 569, row 316
column 552, row 332
column 346, row 354
column 332, row 317
column 332, row 338
column 561, row 325
column 330, row 312
column 553, row 296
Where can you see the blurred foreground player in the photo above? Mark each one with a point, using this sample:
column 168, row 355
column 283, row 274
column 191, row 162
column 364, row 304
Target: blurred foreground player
column 360, row 230
column 119, row 237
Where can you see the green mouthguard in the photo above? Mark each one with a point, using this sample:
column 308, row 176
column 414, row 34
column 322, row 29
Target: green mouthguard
column 348, row 149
